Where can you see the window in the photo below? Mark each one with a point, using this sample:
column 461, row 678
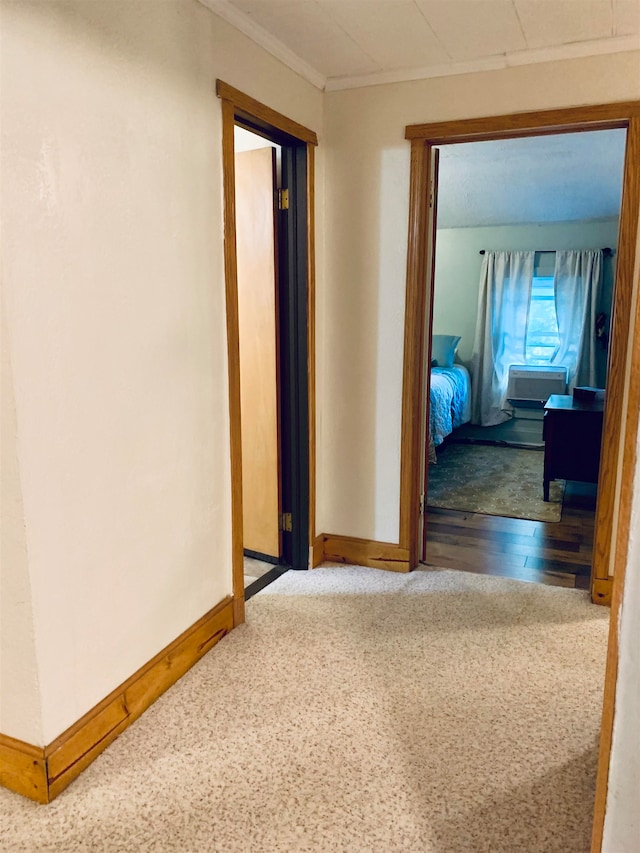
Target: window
column 542, row 328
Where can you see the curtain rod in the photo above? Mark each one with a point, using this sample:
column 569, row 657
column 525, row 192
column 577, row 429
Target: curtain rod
column 606, row 251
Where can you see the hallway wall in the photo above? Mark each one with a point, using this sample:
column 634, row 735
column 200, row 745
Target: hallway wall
column 115, row 325
column 362, row 309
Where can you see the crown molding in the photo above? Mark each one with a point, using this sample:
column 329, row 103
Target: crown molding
column 575, row 50
column 530, row 56
column 270, row 43
column 406, row 75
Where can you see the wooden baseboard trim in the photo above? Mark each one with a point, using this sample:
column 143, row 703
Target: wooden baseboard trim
column 366, row 552
column 23, row 769
column 42, row 774
column 317, row 551
column 601, row 590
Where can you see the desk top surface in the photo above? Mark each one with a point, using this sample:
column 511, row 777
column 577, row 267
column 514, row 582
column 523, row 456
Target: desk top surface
column 566, row 403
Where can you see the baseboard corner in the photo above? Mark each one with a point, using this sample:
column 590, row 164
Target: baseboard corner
column 23, row 769
column 42, row 774
column 317, row 551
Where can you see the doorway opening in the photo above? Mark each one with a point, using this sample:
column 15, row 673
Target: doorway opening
column 258, row 181
column 620, row 427
column 268, row 165
column 509, row 215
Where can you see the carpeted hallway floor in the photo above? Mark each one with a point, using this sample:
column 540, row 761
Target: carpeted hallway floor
column 359, row 710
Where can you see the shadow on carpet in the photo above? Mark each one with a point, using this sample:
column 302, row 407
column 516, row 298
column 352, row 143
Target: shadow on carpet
column 493, row 480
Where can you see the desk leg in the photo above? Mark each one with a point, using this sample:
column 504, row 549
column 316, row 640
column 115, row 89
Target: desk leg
column 545, row 489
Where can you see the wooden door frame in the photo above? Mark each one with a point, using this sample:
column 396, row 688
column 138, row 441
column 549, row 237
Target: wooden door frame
column 237, row 105
column 620, row 433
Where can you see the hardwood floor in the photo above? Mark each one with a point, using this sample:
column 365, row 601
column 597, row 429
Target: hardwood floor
column 556, row 553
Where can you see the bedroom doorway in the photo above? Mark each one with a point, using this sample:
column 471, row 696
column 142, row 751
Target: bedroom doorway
column 620, row 427
column 485, row 505
column 269, row 278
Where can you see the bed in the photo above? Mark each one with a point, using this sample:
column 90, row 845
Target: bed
column 449, row 403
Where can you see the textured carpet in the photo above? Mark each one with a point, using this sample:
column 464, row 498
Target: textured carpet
column 358, row 710
column 493, row 480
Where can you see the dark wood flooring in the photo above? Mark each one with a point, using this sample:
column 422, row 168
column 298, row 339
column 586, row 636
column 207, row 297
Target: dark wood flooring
column 556, row 553
column 519, row 431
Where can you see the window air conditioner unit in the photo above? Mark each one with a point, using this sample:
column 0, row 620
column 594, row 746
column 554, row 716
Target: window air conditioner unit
column 530, row 386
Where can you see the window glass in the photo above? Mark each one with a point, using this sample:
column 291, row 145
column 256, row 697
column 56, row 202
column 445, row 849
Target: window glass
column 542, row 328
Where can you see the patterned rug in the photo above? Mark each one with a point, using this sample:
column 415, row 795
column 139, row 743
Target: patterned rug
column 493, row 480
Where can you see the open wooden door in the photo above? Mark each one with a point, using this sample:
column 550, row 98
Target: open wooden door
column 255, row 176
column 434, row 155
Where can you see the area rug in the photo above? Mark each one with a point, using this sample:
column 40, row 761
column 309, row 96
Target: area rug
column 493, row 480
column 358, row 710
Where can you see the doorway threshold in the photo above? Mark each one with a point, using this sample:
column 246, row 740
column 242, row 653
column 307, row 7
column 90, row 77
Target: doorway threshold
column 264, row 580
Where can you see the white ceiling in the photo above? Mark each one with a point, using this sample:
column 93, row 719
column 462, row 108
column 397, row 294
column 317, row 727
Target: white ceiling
column 345, row 43
column 563, row 178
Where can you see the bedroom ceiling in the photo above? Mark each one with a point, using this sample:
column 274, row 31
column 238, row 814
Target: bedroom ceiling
column 565, row 178
column 339, row 44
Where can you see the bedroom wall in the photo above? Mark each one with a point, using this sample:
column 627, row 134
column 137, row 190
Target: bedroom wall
column 114, row 313
column 367, row 201
column 458, row 265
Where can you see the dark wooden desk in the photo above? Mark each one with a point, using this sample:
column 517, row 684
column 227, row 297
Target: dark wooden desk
column 572, row 433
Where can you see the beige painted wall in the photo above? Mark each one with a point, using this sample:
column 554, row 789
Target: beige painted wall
column 20, row 708
column 113, row 291
column 362, row 307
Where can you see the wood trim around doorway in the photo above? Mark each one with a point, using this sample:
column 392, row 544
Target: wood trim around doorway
column 629, row 463
column 236, row 104
column 611, row 506
column 537, row 123
column 620, row 435
column 423, row 137
column 248, row 105
column 411, row 429
column 233, row 356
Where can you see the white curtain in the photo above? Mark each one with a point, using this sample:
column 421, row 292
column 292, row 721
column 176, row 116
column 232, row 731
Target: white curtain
column 577, row 283
column 501, row 330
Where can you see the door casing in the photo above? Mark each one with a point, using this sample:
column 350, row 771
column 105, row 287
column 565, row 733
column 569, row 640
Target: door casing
column 297, row 311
